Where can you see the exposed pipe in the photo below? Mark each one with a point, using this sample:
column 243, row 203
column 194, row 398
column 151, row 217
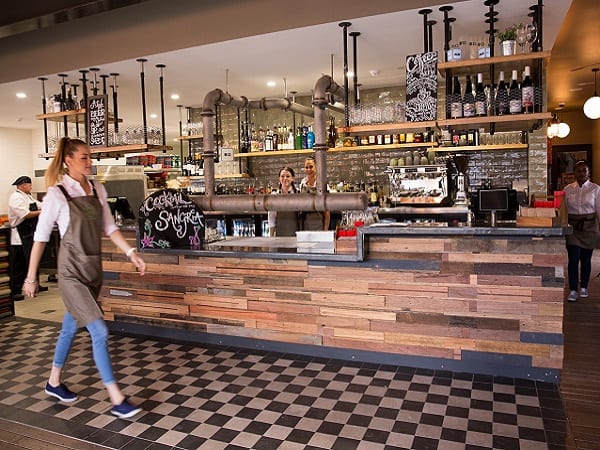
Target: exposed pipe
column 425, row 12
column 43, row 80
column 355, row 35
column 345, row 26
column 115, row 102
column 143, row 89
column 266, row 202
column 162, row 104
column 84, row 94
column 322, row 201
column 63, row 101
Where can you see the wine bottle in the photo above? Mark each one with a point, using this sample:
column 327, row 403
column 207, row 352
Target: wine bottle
column 304, row 137
column 268, row 140
column 480, row 98
column 331, row 133
column 469, row 99
column 502, row 107
column 527, row 92
column 456, row 106
column 515, row 105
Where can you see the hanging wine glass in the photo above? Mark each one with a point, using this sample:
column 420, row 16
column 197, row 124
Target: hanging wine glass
column 531, row 33
column 521, row 37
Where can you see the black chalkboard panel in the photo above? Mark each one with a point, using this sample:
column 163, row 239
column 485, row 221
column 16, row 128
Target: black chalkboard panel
column 421, row 87
column 96, row 112
column 169, row 219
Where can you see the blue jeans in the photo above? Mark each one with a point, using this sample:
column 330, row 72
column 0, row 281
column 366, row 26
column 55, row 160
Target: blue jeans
column 99, row 334
column 577, row 256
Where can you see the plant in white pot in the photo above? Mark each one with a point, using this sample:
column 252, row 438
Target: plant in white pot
column 508, row 40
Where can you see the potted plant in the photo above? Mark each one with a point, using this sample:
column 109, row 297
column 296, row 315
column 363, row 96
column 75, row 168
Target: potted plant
column 508, row 40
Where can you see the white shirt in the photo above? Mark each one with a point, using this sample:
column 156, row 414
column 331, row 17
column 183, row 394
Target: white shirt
column 583, row 199
column 18, row 208
column 55, row 209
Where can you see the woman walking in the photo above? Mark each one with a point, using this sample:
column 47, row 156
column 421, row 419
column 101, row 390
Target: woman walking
column 80, row 209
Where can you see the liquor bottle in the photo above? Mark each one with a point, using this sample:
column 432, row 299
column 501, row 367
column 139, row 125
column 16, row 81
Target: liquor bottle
column 456, row 106
column 480, row 98
column 527, row 92
column 268, row 140
column 515, row 105
column 304, row 137
column 502, row 105
column 331, row 133
column 290, row 139
column 469, row 99
column 310, row 137
column 261, row 139
column 298, row 145
column 373, row 194
column 276, row 135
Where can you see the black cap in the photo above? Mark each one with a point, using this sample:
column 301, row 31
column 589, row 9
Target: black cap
column 22, row 179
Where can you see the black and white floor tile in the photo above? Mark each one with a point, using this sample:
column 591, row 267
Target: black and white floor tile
column 207, row 397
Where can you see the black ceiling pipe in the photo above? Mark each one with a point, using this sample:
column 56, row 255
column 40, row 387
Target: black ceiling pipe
column 355, row 35
column 43, row 80
column 162, row 104
column 430, row 24
column 447, row 30
column 115, row 103
column 345, row 26
column 143, row 87
column 425, row 12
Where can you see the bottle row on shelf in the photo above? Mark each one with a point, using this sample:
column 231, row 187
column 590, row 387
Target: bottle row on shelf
column 493, row 99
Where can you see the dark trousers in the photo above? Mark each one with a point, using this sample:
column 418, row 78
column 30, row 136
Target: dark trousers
column 579, row 257
column 18, row 269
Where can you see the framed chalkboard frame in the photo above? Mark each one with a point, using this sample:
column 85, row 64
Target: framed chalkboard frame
column 96, row 114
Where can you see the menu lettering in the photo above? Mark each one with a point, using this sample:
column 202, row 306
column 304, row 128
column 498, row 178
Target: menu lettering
column 97, row 120
column 169, row 219
column 421, row 87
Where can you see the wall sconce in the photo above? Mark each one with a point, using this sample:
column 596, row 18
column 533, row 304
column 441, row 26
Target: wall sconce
column 591, row 107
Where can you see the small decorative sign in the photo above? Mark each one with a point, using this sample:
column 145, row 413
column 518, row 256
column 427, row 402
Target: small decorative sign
column 169, row 219
column 421, row 87
column 97, row 120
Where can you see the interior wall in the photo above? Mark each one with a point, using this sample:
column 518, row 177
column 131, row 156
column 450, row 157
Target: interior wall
column 15, row 153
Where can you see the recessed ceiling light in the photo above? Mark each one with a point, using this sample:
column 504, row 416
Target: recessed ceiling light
column 374, row 72
column 21, row 95
column 153, row 116
column 350, row 74
column 575, row 89
column 174, row 96
column 271, row 83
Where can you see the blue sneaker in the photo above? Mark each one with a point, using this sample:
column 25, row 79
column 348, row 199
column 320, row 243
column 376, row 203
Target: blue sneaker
column 125, row 410
column 61, row 392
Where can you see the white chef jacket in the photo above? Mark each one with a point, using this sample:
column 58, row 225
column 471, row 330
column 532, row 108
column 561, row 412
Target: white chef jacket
column 18, row 208
column 56, row 209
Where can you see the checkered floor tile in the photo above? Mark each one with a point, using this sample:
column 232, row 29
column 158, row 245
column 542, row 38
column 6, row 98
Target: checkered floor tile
column 208, row 397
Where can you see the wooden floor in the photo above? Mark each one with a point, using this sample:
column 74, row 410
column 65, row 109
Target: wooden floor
column 16, row 436
column 580, row 379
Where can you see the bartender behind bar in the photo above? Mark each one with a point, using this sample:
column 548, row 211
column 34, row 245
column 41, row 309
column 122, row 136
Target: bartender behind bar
column 23, row 212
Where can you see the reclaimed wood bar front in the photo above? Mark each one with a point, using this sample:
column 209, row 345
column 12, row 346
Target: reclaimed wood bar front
column 485, row 300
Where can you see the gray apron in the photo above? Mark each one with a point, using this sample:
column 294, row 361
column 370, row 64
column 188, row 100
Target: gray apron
column 287, row 223
column 80, row 258
column 311, row 220
column 585, row 230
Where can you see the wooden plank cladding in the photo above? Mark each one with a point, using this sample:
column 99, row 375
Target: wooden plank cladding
column 473, row 303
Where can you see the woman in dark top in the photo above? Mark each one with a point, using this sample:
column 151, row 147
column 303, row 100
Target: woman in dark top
column 284, row 223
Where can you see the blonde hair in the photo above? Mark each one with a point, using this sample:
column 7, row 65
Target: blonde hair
column 66, row 147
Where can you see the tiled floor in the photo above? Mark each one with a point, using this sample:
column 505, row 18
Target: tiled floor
column 207, row 397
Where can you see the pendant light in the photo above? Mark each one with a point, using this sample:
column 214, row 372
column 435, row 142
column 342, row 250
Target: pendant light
column 591, row 107
column 556, row 128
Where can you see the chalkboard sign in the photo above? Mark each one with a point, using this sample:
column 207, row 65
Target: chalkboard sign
column 169, row 219
column 97, row 120
column 421, row 87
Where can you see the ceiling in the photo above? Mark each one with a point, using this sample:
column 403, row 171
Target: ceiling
column 300, row 55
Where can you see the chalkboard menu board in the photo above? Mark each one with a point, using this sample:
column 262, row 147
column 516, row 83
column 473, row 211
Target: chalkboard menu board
column 421, row 87
column 97, row 120
column 168, row 219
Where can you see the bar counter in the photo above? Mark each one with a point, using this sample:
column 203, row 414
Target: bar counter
column 484, row 300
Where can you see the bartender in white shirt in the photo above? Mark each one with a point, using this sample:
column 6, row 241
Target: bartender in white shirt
column 23, row 212
column 583, row 206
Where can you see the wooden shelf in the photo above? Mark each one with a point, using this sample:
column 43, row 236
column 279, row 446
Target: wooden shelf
column 476, row 148
column 191, row 137
column 119, row 150
column 274, row 153
column 502, row 62
column 509, row 122
column 73, row 116
column 389, row 127
column 361, row 148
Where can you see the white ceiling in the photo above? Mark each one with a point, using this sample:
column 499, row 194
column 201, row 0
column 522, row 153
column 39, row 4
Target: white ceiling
column 299, row 55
